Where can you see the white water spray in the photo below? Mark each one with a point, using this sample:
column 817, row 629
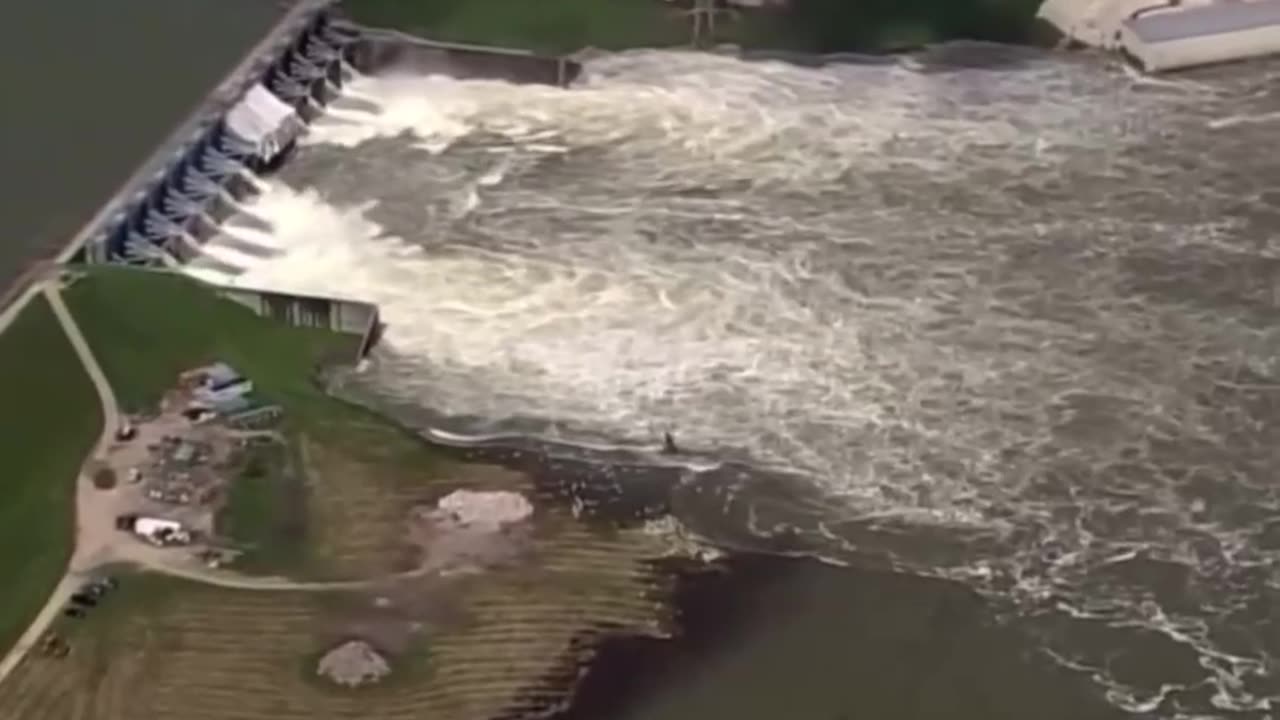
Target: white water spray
column 1010, row 303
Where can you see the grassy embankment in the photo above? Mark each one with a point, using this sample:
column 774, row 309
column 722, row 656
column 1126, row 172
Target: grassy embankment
column 146, row 328
column 161, row 646
column 562, row 26
column 50, row 421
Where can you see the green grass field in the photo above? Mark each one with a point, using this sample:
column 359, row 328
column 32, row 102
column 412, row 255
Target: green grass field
column 266, row 512
column 48, row 426
column 146, row 328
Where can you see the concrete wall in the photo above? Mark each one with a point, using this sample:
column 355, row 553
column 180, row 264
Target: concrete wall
column 349, row 317
column 382, row 51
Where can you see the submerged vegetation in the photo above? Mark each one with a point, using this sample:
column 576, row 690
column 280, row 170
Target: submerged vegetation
column 49, row 423
column 563, row 26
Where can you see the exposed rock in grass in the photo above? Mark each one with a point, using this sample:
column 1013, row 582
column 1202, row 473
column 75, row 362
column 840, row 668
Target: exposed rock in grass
column 352, row 664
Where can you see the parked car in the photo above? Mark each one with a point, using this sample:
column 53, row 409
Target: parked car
column 92, row 590
column 73, row 612
column 84, row 599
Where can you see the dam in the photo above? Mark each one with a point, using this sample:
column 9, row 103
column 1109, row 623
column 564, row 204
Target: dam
column 166, row 213
column 985, row 320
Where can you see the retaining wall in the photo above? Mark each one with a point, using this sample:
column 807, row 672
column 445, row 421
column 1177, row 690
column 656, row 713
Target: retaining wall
column 348, row 317
column 381, row 51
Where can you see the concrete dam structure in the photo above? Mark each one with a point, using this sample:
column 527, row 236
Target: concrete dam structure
column 165, row 219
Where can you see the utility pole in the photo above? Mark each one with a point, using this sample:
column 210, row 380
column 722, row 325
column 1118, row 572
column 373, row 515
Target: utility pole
column 703, row 15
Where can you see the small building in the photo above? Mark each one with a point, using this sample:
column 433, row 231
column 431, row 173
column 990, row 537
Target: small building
column 264, row 122
column 218, row 375
column 231, row 405
column 221, row 375
column 1192, row 35
column 214, row 376
column 213, row 396
column 1161, row 35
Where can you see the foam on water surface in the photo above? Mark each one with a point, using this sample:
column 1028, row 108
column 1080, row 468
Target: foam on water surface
column 1020, row 313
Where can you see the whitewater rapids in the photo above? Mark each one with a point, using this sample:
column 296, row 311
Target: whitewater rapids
column 1018, row 308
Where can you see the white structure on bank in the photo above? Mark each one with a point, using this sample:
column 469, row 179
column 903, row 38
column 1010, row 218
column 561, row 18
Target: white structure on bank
column 1171, row 34
column 487, row 511
column 264, row 122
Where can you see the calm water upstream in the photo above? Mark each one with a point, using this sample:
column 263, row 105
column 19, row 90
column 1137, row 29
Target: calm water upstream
column 90, row 88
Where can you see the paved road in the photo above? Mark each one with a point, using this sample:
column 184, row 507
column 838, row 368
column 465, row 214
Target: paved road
column 106, row 397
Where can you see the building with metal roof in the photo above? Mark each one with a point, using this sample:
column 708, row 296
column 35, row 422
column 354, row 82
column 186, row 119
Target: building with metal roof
column 1171, row 34
column 1201, row 35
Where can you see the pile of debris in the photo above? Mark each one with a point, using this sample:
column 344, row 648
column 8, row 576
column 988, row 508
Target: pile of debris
column 352, row 664
column 486, row 511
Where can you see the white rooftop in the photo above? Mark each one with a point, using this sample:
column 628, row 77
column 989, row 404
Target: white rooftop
column 263, row 120
column 1217, row 18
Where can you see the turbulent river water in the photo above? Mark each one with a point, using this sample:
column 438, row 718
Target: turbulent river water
column 997, row 315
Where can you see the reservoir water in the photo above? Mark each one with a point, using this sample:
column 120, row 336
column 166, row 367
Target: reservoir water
column 1000, row 317
column 90, row 88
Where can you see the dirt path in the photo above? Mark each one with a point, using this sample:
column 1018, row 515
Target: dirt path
column 248, row 582
column 111, row 418
column 98, row 543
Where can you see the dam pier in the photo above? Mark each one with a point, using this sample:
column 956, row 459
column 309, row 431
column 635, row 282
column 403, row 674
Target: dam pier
column 163, row 213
